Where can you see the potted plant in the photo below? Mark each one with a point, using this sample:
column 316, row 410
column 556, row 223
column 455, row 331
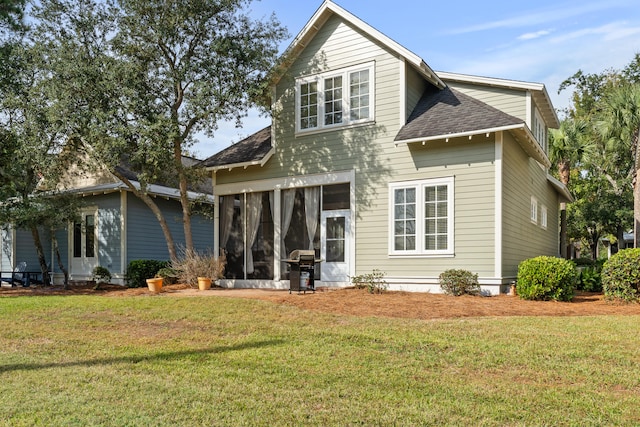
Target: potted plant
column 100, row 275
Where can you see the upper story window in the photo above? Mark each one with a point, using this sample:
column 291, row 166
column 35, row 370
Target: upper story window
column 540, row 130
column 336, row 98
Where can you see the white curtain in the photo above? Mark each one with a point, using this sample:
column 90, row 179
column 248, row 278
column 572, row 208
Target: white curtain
column 254, row 213
column 311, row 205
column 288, row 200
column 226, row 217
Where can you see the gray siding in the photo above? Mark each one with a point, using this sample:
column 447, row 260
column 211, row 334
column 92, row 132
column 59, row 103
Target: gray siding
column 416, row 85
column 109, row 231
column 471, row 164
column 145, row 239
column 510, row 101
column 522, row 239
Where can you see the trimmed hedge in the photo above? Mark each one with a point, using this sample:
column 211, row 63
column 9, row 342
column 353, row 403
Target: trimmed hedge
column 621, row 275
column 546, row 278
column 139, row 270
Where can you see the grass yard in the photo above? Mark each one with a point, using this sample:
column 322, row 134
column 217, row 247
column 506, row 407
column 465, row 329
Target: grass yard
column 153, row 361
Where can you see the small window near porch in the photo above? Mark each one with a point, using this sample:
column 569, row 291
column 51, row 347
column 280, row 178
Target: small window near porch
column 336, row 197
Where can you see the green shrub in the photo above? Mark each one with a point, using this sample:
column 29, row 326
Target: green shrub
column 374, row 282
column 546, row 278
column 459, row 282
column 139, row 270
column 170, row 275
column 590, row 279
column 100, row 275
column 621, row 276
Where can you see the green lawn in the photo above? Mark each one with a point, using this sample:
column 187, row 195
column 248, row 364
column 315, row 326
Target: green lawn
column 154, row 360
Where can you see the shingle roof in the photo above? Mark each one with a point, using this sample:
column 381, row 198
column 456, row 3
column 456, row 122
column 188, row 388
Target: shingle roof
column 251, row 149
column 448, row 111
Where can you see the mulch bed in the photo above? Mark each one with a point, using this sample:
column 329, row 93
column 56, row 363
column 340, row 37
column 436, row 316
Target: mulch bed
column 358, row 302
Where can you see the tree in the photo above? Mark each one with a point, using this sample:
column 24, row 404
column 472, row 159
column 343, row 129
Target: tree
column 11, row 12
column 200, row 61
column 619, row 125
column 29, row 144
column 137, row 79
column 608, row 162
column 568, row 145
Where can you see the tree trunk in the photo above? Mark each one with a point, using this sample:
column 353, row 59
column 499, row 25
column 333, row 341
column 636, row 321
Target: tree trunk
column 564, row 171
column 636, row 211
column 636, row 188
column 563, row 230
column 56, row 249
column 184, row 198
column 171, row 247
column 41, row 259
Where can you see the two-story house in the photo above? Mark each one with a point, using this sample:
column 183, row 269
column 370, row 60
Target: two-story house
column 375, row 161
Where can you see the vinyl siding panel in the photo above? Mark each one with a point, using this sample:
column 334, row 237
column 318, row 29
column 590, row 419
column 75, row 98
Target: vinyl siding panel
column 522, row 239
column 416, row 85
column 109, row 231
column 471, row 165
column 145, row 239
column 510, row 101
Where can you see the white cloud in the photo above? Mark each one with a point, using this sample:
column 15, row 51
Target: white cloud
column 537, row 17
column 537, row 34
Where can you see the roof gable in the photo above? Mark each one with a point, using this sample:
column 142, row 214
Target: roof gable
column 322, row 15
column 538, row 91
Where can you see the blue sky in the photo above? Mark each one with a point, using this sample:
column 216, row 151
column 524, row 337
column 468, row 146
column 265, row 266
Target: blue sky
column 544, row 41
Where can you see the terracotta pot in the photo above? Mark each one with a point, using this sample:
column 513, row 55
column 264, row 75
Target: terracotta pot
column 512, row 291
column 204, row 283
column 155, row 284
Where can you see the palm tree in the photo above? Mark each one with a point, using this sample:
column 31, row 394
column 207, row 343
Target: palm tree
column 568, row 145
column 619, row 125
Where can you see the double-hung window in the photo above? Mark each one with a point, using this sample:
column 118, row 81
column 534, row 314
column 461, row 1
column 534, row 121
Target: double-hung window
column 336, row 98
column 421, row 217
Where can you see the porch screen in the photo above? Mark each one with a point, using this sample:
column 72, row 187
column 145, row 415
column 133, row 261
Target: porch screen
column 246, row 235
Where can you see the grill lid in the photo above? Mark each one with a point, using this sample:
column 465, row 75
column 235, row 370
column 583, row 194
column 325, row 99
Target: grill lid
column 302, row 255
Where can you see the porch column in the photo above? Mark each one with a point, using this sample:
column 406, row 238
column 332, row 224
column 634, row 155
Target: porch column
column 277, row 232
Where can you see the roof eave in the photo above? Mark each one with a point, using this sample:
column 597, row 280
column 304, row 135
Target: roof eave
column 531, row 146
column 459, row 134
column 562, row 189
column 261, row 162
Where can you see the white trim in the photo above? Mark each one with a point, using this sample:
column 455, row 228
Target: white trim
column 533, row 212
column 490, row 81
column 287, row 182
column 123, row 231
column 245, row 165
column 498, row 182
column 462, row 134
column 403, row 91
column 560, row 188
column 322, row 15
column 320, row 78
column 543, row 217
column 529, row 110
column 419, row 186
